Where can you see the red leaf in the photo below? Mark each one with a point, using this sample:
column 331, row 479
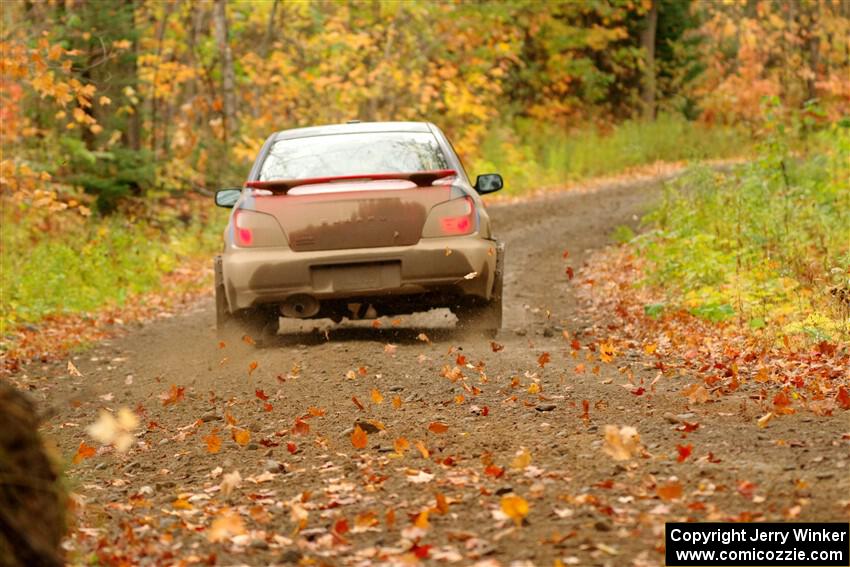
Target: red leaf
column 570, row 272
column 421, row 551
column 638, row 391
column 301, row 427
column 292, row 448
column 684, row 452
column 494, row 471
column 460, row 360
column 843, row 398
column 485, row 411
column 585, row 404
column 341, row 526
column 262, row 395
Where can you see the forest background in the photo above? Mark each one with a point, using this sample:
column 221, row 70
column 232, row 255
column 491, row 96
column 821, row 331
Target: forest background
column 120, row 118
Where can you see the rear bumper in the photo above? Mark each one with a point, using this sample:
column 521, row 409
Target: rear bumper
column 270, row 275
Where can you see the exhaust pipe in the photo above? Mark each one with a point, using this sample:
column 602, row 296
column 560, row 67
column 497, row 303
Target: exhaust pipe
column 300, row 306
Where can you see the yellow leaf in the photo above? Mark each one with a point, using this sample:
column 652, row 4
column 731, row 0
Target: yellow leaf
column 181, row 504
column 534, row 388
column 515, row 507
column 104, row 101
column 213, row 442
column 421, row 521
column 397, row 402
column 377, row 398
column 522, row 459
column 765, row 419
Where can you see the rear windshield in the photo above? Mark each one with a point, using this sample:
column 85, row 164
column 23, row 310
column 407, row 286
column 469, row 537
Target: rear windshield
column 353, row 154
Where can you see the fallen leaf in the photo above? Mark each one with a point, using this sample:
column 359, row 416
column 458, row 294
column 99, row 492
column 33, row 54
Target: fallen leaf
column 696, row 394
column 521, row 460
column 543, row 359
column 359, row 438
column 252, row 367
column 241, row 436
column 496, row 347
column 423, row 450
column 261, row 395
column 213, row 441
column 401, row 445
column 397, row 402
column 291, row 447
column 174, row 395
column 72, row 370
column 669, row 491
column 438, row 427
column 514, row 507
column 301, row 427
column 84, row 452
column 606, row 352
column 423, row 337
column 765, row 419
column 357, row 403
column 684, row 452
column 377, row 398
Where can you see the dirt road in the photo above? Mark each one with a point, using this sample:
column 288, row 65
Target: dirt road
column 511, row 426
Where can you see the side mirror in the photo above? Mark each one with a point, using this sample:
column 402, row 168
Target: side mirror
column 227, row 197
column 489, row 183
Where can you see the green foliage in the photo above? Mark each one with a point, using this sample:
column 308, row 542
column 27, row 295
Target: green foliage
column 765, row 241
column 96, row 263
column 531, row 155
column 111, row 175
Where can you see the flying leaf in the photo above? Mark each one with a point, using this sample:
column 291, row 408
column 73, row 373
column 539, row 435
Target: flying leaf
column 606, row 352
column 438, row 427
column 357, row 403
column 252, row 367
column 514, row 507
column 359, row 438
column 118, row 432
column 621, row 443
column 315, row 412
column 72, row 370
column 225, row 526
column 230, row 482
column 496, row 347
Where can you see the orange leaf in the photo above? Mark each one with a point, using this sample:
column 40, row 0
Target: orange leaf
column 252, row 367
column 228, row 417
column 292, row 448
column 543, row 359
column 357, row 403
column 494, row 471
column 397, row 402
column 341, row 526
column 315, row 412
column 515, row 507
column 174, row 395
column 671, row 491
column 401, row 445
column 496, row 347
column 301, row 427
column 442, row 504
column 359, row 438
column 377, row 398
column 213, row 442
column 389, row 519
column 421, row 520
column 437, row 427
column 84, row 452
column 241, row 436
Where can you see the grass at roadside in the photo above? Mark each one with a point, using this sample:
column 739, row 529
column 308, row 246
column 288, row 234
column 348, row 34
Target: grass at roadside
column 766, row 245
column 64, row 264
column 530, row 155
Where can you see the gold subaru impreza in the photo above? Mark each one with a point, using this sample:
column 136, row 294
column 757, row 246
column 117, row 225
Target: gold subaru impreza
column 358, row 220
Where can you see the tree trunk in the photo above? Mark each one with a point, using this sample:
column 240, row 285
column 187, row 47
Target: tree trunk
column 227, row 78
column 270, row 30
column 647, row 43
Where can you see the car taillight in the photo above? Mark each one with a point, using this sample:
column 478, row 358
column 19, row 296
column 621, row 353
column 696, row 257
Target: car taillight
column 252, row 229
column 244, row 234
column 459, row 224
column 452, row 218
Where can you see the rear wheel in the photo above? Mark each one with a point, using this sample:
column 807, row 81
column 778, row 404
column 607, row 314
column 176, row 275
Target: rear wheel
column 255, row 322
column 486, row 316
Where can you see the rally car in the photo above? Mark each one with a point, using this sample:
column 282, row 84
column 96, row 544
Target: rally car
column 358, row 220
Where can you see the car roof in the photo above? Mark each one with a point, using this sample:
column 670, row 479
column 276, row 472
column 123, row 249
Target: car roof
column 352, row 128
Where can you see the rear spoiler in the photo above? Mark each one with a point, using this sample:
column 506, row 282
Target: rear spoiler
column 420, row 178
